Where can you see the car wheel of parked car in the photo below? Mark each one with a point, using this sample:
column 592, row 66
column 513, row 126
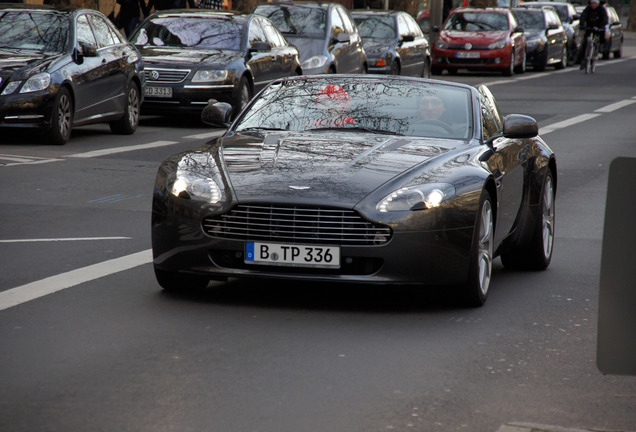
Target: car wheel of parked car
column 127, row 125
column 522, row 67
column 573, row 53
column 436, row 70
column 538, row 254
column 564, row 59
column 619, row 52
column 62, row 120
column 243, row 95
column 426, row 73
column 510, row 70
column 480, row 271
column 395, row 69
column 178, row 283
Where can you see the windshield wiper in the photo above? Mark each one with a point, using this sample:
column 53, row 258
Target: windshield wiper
column 250, row 129
column 358, row 129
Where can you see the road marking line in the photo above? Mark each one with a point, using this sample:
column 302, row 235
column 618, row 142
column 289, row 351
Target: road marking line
column 615, row 106
column 565, row 123
column 53, row 284
column 205, row 135
column 63, row 239
column 114, row 150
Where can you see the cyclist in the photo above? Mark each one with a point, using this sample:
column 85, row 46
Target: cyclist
column 593, row 18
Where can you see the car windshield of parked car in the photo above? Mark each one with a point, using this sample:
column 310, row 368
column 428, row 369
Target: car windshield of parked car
column 409, row 109
column 296, row 20
column 190, row 32
column 376, row 27
column 30, row 30
column 531, row 19
column 477, row 21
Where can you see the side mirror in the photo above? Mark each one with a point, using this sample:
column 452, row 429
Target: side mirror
column 261, row 46
column 217, row 114
column 87, row 50
column 408, row 38
column 520, row 126
column 341, row 37
column 519, row 29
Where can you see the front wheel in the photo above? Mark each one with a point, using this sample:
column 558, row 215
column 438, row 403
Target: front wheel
column 62, row 118
column 475, row 291
column 510, row 70
column 564, row 59
column 243, row 95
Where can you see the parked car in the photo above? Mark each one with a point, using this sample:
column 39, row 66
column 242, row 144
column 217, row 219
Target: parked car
column 614, row 43
column 480, row 39
column 546, row 38
column 394, row 43
column 424, row 16
column 325, row 34
column 570, row 21
column 192, row 56
column 66, row 67
column 313, row 183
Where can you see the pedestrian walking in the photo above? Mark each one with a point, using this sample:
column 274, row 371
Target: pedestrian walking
column 129, row 15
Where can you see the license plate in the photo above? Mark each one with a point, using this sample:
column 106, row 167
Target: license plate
column 292, row 255
column 162, row 92
column 467, row 54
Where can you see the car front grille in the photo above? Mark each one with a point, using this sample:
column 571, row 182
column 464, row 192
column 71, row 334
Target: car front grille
column 165, row 76
column 279, row 223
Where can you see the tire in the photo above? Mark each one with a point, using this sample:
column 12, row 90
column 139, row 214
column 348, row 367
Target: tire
column 395, row 69
column 62, row 118
column 573, row 54
column 522, row 67
column 436, row 70
column 178, row 283
column 128, row 123
column 426, row 73
column 538, row 253
column 475, row 292
column 564, row 59
column 510, row 70
column 243, row 95
column 619, row 52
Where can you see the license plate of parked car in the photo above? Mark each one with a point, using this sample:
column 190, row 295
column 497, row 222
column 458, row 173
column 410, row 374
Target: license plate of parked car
column 468, row 54
column 295, row 255
column 163, row 92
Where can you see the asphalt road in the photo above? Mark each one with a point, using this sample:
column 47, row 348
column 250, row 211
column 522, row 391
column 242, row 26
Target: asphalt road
column 88, row 342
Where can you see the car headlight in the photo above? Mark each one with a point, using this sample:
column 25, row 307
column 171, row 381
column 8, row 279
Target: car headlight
column 418, row 197
column 441, row 44
column 37, row 82
column 498, row 45
column 209, row 76
column 195, row 186
column 11, row 87
column 315, row 62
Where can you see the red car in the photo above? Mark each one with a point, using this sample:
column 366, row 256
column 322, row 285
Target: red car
column 480, row 39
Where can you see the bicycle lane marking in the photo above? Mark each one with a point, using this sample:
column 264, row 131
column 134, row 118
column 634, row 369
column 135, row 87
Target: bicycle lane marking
column 34, row 290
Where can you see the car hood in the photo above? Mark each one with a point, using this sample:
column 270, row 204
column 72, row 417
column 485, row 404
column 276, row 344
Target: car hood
column 474, row 37
column 179, row 56
column 307, row 47
column 32, row 62
column 375, row 48
column 341, row 168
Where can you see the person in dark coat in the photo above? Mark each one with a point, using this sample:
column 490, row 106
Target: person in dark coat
column 593, row 16
column 129, row 14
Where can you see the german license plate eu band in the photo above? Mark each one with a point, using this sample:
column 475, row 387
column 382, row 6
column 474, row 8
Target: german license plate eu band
column 292, row 255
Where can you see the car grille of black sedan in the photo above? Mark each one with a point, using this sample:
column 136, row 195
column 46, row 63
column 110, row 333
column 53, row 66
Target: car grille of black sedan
column 165, row 76
column 314, row 225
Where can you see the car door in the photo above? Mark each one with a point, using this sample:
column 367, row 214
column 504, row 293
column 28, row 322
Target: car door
column 507, row 164
column 555, row 34
column 284, row 55
column 261, row 60
column 339, row 44
column 112, row 50
column 91, row 76
column 421, row 46
column 356, row 51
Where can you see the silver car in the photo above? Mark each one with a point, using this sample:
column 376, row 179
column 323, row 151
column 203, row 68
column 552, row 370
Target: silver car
column 324, row 33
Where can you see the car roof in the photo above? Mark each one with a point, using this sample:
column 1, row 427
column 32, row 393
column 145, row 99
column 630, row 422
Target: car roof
column 478, row 10
column 314, row 4
column 43, row 8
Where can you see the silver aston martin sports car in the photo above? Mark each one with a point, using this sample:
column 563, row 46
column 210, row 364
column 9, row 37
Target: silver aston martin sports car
column 362, row 179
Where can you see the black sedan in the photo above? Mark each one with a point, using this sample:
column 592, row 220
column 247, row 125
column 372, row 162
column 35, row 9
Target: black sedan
column 546, row 38
column 192, row 56
column 314, row 182
column 394, row 43
column 65, row 67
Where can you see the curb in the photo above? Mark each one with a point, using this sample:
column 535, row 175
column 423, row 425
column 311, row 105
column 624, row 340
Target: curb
column 529, row 427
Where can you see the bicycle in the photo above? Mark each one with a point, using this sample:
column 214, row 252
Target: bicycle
column 591, row 50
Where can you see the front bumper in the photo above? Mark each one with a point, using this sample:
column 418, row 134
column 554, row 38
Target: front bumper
column 487, row 59
column 27, row 110
column 185, row 98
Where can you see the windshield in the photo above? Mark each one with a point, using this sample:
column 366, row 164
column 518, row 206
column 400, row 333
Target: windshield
column 378, row 27
column 298, row 20
column 192, row 32
column 531, row 19
column 31, row 30
column 415, row 109
column 477, row 21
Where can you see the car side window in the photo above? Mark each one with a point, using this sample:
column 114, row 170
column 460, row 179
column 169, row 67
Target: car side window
column 256, row 32
column 491, row 118
column 347, row 23
column 272, row 35
column 337, row 26
column 403, row 27
column 84, row 31
column 414, row 28
column 101, row 31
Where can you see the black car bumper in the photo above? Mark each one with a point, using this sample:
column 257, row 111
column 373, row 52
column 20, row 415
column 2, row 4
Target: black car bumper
column 184, row 99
